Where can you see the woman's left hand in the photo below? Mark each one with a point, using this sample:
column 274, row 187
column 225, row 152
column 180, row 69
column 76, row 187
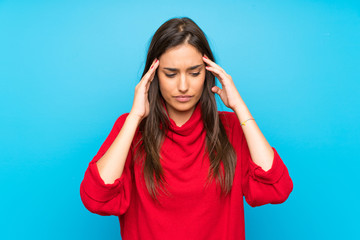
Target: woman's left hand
column 228, row 94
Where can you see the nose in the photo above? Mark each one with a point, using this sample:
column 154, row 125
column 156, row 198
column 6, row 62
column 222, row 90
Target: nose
column 183, row 85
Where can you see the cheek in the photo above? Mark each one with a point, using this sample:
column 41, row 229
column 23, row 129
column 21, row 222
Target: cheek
column 163, row 86
column 201, row 83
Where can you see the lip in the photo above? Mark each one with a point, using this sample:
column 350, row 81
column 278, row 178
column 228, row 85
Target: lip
column 183, row 98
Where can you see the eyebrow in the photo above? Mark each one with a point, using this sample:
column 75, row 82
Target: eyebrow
column 190, row 68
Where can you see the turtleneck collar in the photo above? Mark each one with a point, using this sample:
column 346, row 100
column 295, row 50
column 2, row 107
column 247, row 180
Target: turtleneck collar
column 195, row 121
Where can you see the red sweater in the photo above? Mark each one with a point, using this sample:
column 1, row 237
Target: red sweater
column 191, row 212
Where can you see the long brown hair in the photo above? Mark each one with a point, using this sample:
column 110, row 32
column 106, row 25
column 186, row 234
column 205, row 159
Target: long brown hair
column 174, row 32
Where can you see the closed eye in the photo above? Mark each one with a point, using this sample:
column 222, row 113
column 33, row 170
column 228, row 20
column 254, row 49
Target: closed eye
column 172, row 75
column 195, row 74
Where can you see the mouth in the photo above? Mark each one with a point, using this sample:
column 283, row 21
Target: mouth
column 183, row 98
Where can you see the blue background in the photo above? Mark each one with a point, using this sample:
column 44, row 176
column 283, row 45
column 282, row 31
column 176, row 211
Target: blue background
column 68, row 69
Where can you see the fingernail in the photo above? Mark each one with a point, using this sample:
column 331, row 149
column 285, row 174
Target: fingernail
column 205, row 57
column 156, row 60
column 152, row 67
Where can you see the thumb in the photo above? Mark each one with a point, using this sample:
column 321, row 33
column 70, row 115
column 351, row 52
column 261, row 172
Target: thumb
column 216, row 89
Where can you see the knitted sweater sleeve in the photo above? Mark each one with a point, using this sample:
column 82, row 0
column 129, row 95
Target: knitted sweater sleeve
column 99, row 197
column 258, row 186
column 262, row 187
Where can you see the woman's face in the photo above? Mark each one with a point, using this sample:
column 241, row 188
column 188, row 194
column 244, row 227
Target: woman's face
column 181, row 74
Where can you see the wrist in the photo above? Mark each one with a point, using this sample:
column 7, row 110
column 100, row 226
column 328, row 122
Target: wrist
column 134, row 118
column 239, row 105
column 242, row 112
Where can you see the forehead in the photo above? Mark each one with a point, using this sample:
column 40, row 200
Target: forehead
column 181, row 56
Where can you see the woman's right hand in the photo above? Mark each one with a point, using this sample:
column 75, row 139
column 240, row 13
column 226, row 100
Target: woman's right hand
column 141, row 106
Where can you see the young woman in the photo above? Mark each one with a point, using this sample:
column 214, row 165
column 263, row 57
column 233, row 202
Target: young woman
column 175, row 167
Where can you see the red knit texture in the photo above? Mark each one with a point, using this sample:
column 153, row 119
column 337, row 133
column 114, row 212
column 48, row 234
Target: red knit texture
column 191, row 211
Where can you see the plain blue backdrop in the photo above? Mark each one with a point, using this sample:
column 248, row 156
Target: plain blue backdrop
column 68, row 69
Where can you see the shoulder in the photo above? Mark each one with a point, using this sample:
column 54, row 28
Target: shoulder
column 231, row 123
column 228, row 119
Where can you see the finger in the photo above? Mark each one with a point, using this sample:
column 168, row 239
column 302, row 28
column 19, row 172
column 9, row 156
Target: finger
column 213, row 64
column 147, row 84
column 217, row 90
column 154, row 63
column 147, row 88
column 210, row 62
column 214, row 73
column 150, row 79
column 149, row 75
column 220, row 75
column 152, row 67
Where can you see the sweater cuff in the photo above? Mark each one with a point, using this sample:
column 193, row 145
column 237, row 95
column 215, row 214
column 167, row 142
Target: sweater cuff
column 270, row 176
column 97, row 189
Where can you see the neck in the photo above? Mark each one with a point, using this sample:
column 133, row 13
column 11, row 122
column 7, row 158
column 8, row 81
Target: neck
column 181, row 117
